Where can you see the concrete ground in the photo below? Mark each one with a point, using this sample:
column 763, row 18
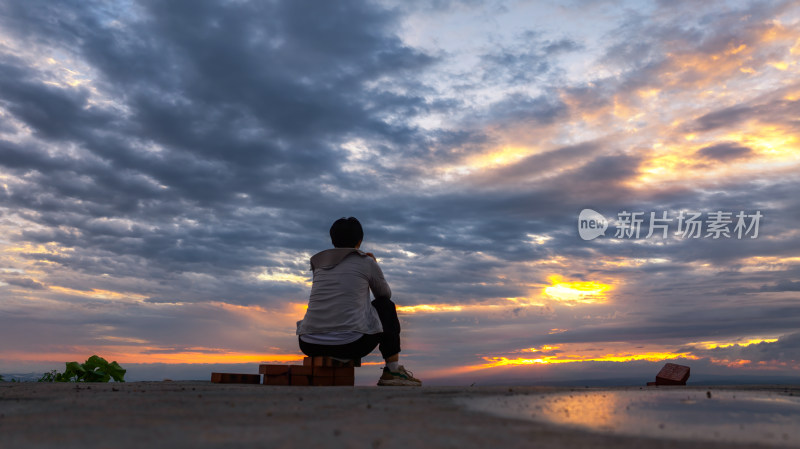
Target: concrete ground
column 206, row 415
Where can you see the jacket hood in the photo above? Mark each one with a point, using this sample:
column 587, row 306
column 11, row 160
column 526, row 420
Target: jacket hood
column 331, row 257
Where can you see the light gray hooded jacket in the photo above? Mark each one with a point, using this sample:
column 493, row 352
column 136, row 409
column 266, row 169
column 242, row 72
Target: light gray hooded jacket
column 340, row 300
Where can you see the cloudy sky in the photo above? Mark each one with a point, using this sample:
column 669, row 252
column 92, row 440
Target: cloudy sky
column 168, row 168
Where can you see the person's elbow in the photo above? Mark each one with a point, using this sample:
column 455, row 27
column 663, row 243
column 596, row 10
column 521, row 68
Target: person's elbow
column 384, row 292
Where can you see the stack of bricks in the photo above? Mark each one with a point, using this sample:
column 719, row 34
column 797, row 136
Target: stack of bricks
column 316, row 371
column 671, row 374
column 233, row 378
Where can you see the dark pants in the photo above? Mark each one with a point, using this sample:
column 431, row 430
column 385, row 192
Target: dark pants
column 388, row 341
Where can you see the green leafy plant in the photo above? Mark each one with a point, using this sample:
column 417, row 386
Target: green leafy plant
column 95, row 369
column 48, row 377
column 1, row 378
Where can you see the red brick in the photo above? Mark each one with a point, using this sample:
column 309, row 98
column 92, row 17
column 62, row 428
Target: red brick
column 234, row 378
column 282, row 379
column 323, row 371
column 314, row 361
column 298, row 370
column 347, row 364
column 273, row 370
column 323, row 361
column 328, row 361
column 301, row 380
column 672, row 374
column 322, row 381
column 344, row 372
column 344, row 380
column 651, row 384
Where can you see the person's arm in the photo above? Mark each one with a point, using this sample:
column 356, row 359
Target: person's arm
column 377, row 283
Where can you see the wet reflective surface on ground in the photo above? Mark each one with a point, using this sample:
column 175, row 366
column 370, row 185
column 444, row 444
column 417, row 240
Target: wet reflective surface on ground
column 717, row 415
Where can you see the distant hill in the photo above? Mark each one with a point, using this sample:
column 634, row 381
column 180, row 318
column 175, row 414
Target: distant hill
column 27, row 377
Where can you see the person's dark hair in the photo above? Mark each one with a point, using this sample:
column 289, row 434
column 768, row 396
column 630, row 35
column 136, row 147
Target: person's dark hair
column 346, row 233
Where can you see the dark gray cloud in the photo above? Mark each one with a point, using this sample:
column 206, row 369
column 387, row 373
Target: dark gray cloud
column 786, row 348
column 783, row 285
column 24, row 282
column 518, row 108
column 229, row 109
column 527, row 62
column 764, row 110
column 724, row 152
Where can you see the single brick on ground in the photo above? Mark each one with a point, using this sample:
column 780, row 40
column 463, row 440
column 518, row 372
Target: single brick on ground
column 672, row 374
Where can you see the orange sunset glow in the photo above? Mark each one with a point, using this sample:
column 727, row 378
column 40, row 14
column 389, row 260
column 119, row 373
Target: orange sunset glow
column 587, row 292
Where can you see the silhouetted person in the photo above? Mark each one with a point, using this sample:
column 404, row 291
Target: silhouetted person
column 341, row 321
